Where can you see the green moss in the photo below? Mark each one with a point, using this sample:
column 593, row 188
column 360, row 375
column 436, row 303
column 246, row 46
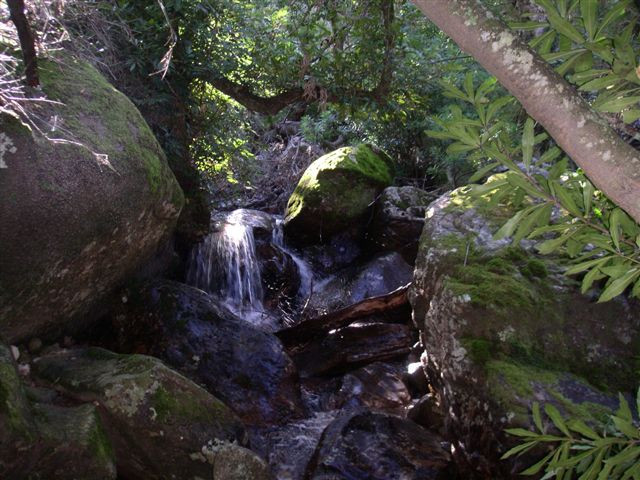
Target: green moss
column 100, row 444
column 339, row 186
column 478, row 349
column 168, row 405
column 514, row 387
column 534, row 269
column 13, row 402
column 104, row 120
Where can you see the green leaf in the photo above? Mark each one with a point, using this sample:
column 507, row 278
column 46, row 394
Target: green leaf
column 626, row 427
column 614, row 226
column 537, row 418
column 556, row 418
column 519, row 449
column 593, row 275
column 519, row 181
column 619, row 285
column 527, row 142
column 614, row 13
column 589, row 11
column 587, row 197
column 560, row 24
column 484, row 171
column 509, row 227
column 565, row 198
column 540, row 216
column 580, row 427
column 600, row 83
column 624, row 412
column 584, row 266
column 618, row 104
column 521, row 432
column 536, row 467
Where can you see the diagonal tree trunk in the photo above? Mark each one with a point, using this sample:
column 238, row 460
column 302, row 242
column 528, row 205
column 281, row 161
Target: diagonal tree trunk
column 611, row 164
column 27, row 40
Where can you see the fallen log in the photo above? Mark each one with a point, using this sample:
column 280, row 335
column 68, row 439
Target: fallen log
column 311, row 328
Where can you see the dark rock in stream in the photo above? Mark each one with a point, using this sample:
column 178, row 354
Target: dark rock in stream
column 353, row 346
column 398, row 220
column 373, row 446
column 244, row 366
column 380, row 276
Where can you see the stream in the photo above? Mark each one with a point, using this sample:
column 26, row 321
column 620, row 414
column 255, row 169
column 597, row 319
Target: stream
column 364, row 400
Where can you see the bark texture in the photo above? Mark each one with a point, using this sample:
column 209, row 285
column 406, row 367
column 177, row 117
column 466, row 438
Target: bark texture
column 611, row 164
column 27, row 40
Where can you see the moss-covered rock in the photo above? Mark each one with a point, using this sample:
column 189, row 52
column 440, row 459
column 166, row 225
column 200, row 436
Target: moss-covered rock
column 503, row 327
column 158, row 421
column 42, row 441
column 336, row 191
column 82, row 211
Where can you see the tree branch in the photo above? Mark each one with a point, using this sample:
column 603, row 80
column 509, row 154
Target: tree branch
column 27, row 41
column 611, row 164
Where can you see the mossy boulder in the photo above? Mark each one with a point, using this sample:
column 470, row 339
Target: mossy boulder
column 503, row 327
column 82, row 210
column 158, row 421
column 39, row 440
column 336, row 192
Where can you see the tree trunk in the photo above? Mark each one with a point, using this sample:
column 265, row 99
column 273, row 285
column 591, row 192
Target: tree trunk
column 611, row 164
column 27, row 41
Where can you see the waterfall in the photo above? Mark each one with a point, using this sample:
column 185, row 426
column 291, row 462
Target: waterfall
column 226, row 264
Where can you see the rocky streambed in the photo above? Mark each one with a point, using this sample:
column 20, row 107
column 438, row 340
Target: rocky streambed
column 370, row 333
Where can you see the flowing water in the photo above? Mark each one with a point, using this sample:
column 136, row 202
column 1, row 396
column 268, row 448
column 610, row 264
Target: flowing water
column 227, row 265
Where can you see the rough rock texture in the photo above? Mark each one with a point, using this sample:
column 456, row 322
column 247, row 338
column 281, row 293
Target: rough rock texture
column 244, row 366
column 502, row 327
column 398, row 220
column 378, row 447
column 382, row 275
column 161, row 424
column 38, row 440
column 232, row 462
column 337, row 191
column 77, row 216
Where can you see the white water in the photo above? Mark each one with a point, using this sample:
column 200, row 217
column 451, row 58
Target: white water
column 226, row 264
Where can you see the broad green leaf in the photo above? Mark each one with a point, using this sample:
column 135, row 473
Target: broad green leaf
column 589, row 11
column 618, row 104
column 560, row 24
column 584, row 266
column 518, row 181
column 630, row 116
column 537, row 418
column 593, row 275
column 614, row 226
column 587, row 197
column 626, row 427
column 484, row 171
column 556, row 418
column 544, row 42
column 580, row 427
column 540, row 216
column 509, row 227
column 619, row 285
column 565, row 197
column 519, row 449
column 624, row 412
column 600, row 83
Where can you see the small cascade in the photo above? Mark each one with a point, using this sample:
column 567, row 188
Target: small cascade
column 226, row 264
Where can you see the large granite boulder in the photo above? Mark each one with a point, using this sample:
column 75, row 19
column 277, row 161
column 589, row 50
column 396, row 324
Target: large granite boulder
column 241, row 364
column 80, row 213
column 502, row 327
column 161, row 424
column 336, row 192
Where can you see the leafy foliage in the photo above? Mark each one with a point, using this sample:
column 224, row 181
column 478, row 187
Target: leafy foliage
column 555, row 204
column 596, row 47
column 578, row 450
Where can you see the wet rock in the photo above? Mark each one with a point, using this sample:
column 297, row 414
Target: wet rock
column 120, row 202
column 427, row 413
column 398, row 220
column 379, row 387
column 353, row 346
column 232, row 462
column 157, row 420
column 244, row 366
column 336, row 192
column 503, row 328
column 380, row 276
column 378, row 447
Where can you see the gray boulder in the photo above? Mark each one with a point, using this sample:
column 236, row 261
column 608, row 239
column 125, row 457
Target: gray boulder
column 78, row 216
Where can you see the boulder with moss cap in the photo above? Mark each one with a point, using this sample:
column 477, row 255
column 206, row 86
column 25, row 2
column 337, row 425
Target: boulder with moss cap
column 336, row 192
column 503, row 327
column 158, row 421
column 82, row 210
